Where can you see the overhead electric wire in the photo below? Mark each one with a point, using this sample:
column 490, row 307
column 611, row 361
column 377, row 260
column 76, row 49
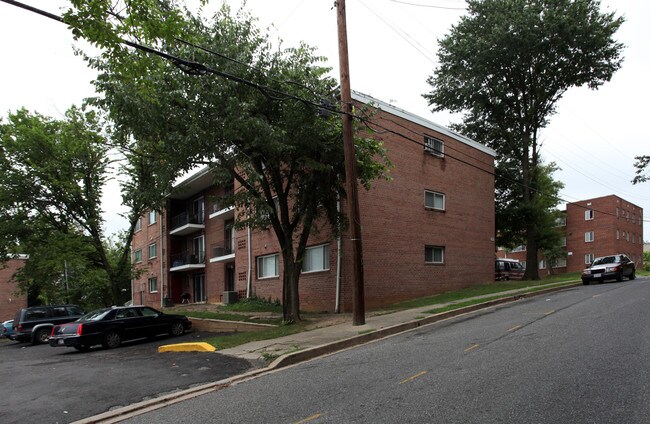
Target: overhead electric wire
column 196, row 68
column 428, row 5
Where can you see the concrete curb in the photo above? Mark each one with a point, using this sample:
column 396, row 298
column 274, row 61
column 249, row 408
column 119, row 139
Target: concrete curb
column 293, row 358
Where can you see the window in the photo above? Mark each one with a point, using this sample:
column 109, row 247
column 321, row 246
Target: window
column 434, row 200
column 316, row 259
column 137, row 256
column 152, row 217
column 560, row 263
column 589, row 258
column 560, row 222
column 542, row 264
column 138, row 224
column 521, row 248
column 153, row 285
column 563, row 242
column 618, row 235
column 152, row 250
column 589, row 215
column 618, row 212
column 434, row 254
column 589, row 236
column 434, row 146
column 268, row 266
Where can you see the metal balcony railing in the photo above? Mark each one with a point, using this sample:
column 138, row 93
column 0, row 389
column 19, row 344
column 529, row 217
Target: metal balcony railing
column 186, row 258
column 222, row 249
column 186, row 218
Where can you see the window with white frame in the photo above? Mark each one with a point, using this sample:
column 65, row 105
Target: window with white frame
column 618, row 235
column 560, row 221
column 589, row 258
column 268, row 266
column 563, row 241
column 153, row 249
column 434, row 254
column 542, row 264
column 153, row 285
column 589, row 214
column 589, row 236
column 137, row 256
column 152, row 217
column 560, row 263
column 434, row 200
column 316, row 259
column 521, row 248
column 434, row 146
column 138, row 224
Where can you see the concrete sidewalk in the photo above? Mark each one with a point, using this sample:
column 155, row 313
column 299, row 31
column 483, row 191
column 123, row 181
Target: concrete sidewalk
column 309, row 344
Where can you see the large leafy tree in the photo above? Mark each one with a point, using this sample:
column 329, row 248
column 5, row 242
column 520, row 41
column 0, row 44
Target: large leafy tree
column 222, row 96
column 52, row 173
column 505, row 66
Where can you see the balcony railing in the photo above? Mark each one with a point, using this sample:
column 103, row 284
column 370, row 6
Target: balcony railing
column 186, row 218
column 186, row 258
column 222, row 249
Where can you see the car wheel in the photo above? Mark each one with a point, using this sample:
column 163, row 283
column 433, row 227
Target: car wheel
column 633, row 275
column 82, row 348
column 41, row 336
column 619, row 276
column 585, row 282
column 177, row 329
column 111, row 340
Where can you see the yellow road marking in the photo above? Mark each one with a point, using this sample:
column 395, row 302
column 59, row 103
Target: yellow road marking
column 550, row 312
column 472, row 347
column 516, row 327
column 413, row 378
column 306, row 420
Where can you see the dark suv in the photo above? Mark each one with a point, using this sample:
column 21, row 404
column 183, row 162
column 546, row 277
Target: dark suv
column 35, row 324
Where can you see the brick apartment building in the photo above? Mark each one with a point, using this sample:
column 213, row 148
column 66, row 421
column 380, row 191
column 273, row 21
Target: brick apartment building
column 428, row 230
column 10, row 299
column 593, row 228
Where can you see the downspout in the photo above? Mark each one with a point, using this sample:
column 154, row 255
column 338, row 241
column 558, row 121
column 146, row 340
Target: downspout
column 337, row 307
column 249, row 281
column 162, row 258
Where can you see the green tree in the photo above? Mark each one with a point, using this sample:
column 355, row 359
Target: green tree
column 255, row 114
column 52, row 173
column 505, row 65
column 641, row 164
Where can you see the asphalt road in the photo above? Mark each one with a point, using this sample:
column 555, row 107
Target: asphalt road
column 576, row 356
column 43, row 384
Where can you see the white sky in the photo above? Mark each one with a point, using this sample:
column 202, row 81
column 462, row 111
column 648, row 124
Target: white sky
column 593, row 137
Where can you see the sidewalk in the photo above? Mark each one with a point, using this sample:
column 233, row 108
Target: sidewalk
column 310, row 344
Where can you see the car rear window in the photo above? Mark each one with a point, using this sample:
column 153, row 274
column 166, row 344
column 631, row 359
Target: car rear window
column 33, row 314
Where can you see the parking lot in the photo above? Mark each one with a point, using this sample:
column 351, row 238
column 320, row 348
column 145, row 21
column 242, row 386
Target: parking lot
column 42, row 384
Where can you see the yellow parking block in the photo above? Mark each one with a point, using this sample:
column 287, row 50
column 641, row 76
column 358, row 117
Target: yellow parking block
column 188, row 347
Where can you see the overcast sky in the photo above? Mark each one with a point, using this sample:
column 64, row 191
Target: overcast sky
column 593, row 137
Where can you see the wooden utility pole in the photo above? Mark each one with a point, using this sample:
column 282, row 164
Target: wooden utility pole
column 358, row 304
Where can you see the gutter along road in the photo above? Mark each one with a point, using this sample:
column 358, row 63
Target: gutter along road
column 576, row 356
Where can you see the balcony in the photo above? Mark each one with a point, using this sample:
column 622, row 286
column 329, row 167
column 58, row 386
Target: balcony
column 222, row 252
column 187, row 261
column 220, row 210
column 186, row 223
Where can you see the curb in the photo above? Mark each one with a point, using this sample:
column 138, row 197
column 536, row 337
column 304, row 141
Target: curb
column 293, row 358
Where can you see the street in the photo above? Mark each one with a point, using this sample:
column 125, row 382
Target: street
column 43, row 384
column 575, row 356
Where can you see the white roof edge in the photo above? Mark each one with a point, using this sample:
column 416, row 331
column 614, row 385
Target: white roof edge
column 364, row 98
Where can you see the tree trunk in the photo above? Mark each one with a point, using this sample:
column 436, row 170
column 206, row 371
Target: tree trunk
column 291, row 299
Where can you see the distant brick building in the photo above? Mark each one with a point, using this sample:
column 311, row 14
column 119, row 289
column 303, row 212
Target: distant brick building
column 10, row 299
column 428, row 230
column 593, row 228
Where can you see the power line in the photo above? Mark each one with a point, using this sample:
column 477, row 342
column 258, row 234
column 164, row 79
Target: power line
column 428, row 5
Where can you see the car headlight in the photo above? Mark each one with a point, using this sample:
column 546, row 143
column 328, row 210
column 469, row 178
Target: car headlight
column 611, row 269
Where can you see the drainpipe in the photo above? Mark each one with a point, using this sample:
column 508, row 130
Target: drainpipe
column 249, row 282
column 162, row 257
column 337, row 307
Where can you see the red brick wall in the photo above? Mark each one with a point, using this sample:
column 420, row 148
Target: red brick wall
column 606, row 222
column 10, row 299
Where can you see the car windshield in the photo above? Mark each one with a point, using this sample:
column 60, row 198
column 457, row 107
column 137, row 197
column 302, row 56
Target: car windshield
column 605, row 260
column 97, row 315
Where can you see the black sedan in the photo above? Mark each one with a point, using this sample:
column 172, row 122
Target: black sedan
column 111, row 326
column 613, row 267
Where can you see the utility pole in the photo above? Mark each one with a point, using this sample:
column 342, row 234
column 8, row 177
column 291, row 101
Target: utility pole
column 358, row 305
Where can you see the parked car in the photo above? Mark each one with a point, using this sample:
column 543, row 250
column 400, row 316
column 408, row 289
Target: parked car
column 6, row 328
column 35, row 323
column 111, row 326
column 612, row 267
column 508, row 269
